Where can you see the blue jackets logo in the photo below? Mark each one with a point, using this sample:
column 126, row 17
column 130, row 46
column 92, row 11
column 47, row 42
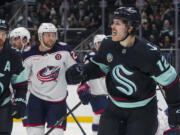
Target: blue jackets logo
column 49, row 73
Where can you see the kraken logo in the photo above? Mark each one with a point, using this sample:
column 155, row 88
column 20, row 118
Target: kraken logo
column 1, row 88
column 128, row 86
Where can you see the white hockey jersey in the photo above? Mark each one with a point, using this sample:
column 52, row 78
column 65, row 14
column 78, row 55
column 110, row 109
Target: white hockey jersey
column 97, row 86
column 46, row 71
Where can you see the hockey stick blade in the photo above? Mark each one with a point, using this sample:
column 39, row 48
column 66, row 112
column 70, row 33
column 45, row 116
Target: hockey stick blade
column 63, row 118
column 175, row 131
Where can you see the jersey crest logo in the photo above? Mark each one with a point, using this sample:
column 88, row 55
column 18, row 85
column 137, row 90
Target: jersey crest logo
column 126, row 86
column 49, row 73
column 109, row 57
column 58, row 56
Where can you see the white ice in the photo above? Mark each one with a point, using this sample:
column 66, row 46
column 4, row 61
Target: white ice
column 72, row 129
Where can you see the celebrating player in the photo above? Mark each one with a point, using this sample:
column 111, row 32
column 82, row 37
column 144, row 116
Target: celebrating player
column 132, row 67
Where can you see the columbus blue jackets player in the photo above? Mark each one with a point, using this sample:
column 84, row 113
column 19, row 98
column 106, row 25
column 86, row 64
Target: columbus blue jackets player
column 46, row 65
column 132, row 67
column 96, row 88
column 11, row 72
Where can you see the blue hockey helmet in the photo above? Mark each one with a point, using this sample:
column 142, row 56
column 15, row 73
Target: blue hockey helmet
column 130, row 15
column 127, row 13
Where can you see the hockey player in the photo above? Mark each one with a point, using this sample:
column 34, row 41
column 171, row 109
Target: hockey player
column 11, row 72
column 20, row 39
column 96, row 87
column 132, row 67
column 46, row 65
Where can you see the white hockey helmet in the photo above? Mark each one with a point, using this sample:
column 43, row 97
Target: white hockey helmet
column 98, row 38
column 22, row 33
column 47, row 27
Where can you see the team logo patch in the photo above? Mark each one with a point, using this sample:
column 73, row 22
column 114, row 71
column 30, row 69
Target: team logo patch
column 49, row 73
column 109, row 57
column 58, row 56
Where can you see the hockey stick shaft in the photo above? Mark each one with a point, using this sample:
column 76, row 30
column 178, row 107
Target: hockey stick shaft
column 62, row 118
column 77, row 122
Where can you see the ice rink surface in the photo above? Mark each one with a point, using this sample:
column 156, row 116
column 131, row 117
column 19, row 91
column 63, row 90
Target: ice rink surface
column 72, row 129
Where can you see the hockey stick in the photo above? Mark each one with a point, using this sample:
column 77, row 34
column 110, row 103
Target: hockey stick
column 62, row 118
column 175, row 131
column 77, row 122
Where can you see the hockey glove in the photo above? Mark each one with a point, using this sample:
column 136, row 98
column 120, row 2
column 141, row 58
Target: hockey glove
column 75, row 74
column 18, row 108
column 175, row 131
column 174, row 116
column 84, row 93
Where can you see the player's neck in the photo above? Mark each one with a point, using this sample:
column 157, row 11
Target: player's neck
column 43, row 49
column 128, row 42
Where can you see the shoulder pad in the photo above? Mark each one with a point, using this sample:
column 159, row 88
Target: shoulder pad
column 91, row 54
column 62, row 43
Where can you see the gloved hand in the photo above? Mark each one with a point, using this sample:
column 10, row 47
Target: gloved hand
column 75, row 74
column 174, row 116
column 84, row 93
column 18, row 108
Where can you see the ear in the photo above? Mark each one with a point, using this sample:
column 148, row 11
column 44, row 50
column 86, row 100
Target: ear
column 130, row 29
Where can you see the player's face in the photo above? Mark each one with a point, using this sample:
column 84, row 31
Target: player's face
column 119, row 30
column 16, row 42
column 49, row 38
column 2, row 38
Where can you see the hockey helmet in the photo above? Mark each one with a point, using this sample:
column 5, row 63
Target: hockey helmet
column 130, row 15
column 47, row 27
column 20, row 32
column 127, row 13
column 98, row 38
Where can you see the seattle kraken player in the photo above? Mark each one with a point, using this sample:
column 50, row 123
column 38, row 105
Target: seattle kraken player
column 11, row 72
column 96, row 87
column 132, row 67
column 46, row 65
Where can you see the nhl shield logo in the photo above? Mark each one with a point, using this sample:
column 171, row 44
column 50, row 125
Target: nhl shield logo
column 109, row 57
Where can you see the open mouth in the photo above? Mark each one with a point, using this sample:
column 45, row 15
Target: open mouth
column 114, row 33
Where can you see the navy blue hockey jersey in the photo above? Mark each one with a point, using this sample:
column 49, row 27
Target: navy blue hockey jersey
column 11, row 72
column 132, row 72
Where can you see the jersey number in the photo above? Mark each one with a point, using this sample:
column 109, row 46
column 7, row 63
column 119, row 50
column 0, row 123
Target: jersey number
column 162, row 64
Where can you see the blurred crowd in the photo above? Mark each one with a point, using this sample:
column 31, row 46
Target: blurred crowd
column 157, row 18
